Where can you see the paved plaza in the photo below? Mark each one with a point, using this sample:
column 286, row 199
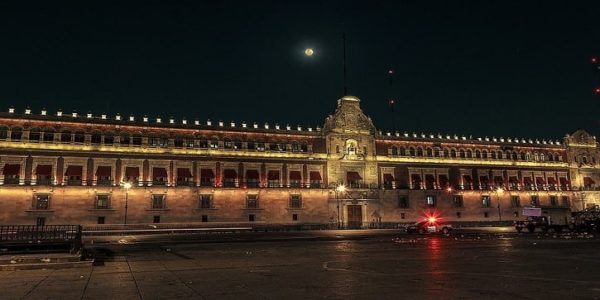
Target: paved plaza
column 354, row 265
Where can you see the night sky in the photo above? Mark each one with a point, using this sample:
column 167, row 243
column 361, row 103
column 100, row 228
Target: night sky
column 507, row 68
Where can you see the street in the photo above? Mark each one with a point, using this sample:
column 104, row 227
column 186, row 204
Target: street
column 333, row 265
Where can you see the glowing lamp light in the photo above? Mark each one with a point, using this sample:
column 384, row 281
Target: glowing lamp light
column 127, row 185
column 340, row 188
column 11, row 110
column 594, row 60
column 449, row 189
column 597, row 90
column 432, row 219
column 89, row 116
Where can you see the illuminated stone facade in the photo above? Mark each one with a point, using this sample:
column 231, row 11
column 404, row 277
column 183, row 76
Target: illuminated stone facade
column 70, row 168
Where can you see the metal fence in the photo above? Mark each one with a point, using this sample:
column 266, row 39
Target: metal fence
column 27, row 236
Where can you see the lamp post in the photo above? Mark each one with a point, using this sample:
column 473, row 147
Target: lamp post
column 339, row 189
column 126, row 186
column 498, row 192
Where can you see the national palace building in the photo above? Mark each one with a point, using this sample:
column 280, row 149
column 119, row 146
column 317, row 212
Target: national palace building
column 68, row 168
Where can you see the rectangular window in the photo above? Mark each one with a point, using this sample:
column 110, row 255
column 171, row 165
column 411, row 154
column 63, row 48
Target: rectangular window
column 40, row 221
column 458, row 214
column 553, row 200
column 457, row 201
column 515, row 201
column 251, row 218
column 403, row 201
column 252, row 201
column 156, row 219
column 565, row 201
column 535, row 200
column 430, row 201
column 158, row 201
column 295, row 201
column 294, row 217
column 101, row 220
column 42, row 201
column 402, row 216
column 204, row 218
column 486, row 201
column 486, row 215
column 205, row 201
column 103, row 201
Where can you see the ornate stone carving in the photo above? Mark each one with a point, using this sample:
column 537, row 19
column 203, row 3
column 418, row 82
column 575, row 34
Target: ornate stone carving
column 349, row 118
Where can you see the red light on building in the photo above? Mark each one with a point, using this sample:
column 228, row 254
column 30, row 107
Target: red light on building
column 432, row 219
column 597, row 91
column 391, row 102
column 594, row 60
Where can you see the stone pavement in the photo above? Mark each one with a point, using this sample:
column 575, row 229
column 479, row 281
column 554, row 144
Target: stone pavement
column 413, row 267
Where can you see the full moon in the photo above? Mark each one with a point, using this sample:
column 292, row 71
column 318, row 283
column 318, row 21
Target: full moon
column 309, row 52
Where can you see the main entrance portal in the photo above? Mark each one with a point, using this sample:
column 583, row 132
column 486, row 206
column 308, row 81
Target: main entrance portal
column 354, row 216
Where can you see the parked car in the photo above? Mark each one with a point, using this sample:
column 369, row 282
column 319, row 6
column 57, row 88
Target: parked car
column 429, row 225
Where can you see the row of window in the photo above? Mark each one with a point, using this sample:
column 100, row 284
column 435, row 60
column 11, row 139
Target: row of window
column 486, row 201
column 159, row 201
column 41, row 221
column 478, row 154
column 97, row 138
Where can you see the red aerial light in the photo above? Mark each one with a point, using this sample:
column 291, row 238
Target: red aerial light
column 594, row 60
column 597, row 90
column 392, row 101
column 432, row 219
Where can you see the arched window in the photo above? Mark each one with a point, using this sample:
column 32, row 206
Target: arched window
column 237, row 144
column 453, row 153
column 394, row 151
column 411, row 151
column 436, row 152
column 125, row 139
column 295, row 147
column 214, row 143
column 584, row 160
column 542, row 157
column 494, row 155
column 96, row 138
column 34, row 135
column 136, row 139
column 484, row 154
column 16, row 134
column 429, row 152
column 461, row 153
column 178, row 142
column 419, row 152
column 79, row 137
column 304, row 147
column 469, row 153
column 3, row 132
column 227, row 144
column 527, row 156
column 48, row 135
column 109, row 139
column 202, row 142
column 402, row 151
column 66, row 137
column 477, row 154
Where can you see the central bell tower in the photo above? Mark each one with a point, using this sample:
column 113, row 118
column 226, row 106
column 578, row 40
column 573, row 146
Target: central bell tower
column 350, row 138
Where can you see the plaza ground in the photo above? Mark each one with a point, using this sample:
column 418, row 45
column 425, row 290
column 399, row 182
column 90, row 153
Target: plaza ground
column 326, row 265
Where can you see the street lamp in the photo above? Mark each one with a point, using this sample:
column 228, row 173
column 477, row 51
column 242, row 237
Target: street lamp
column 339, row 189
column 498, row 192
column 126, row 186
